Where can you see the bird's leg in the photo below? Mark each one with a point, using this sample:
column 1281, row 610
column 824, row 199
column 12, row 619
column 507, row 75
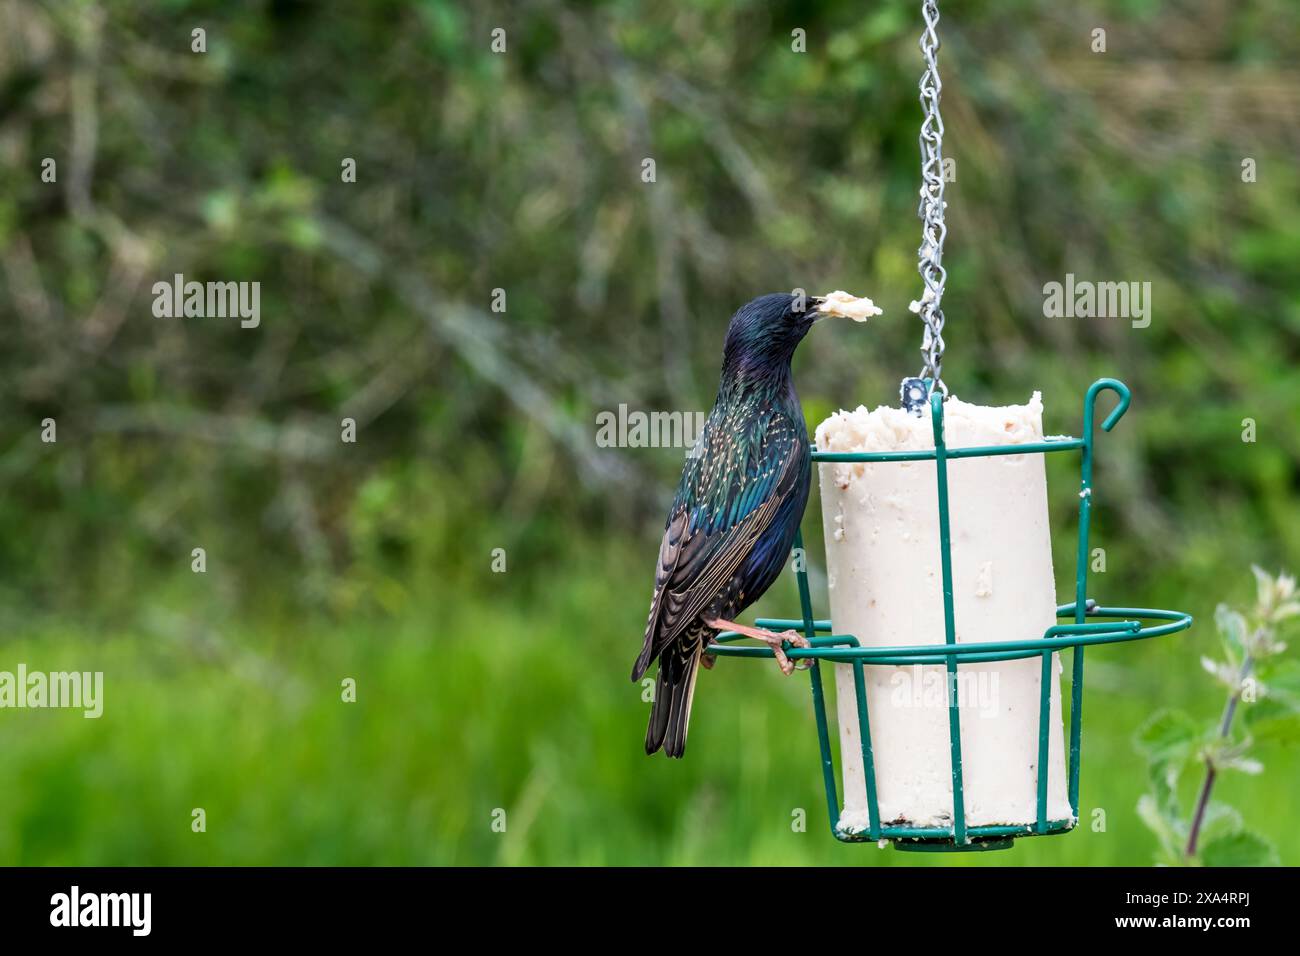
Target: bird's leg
column 708, row 660
column 774, row 641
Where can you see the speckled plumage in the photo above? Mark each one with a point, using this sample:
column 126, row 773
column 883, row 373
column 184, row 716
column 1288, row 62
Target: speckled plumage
column 738, row 506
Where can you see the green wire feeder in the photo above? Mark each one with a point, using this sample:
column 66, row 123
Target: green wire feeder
column 1122, row 624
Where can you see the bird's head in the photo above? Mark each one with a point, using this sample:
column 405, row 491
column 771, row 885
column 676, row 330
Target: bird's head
column 764, row 333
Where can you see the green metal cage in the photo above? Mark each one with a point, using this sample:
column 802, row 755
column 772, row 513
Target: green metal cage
column 1113, row 625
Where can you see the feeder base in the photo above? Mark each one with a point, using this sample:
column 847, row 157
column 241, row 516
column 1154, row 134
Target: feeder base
column 938, row 846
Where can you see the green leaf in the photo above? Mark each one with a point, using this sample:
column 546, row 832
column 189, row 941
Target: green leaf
column 1282, row 683
column 1281, row 729
column 221, row 209
column 1242, row 764
column 303, row 232
column 1264, row 586
column 1226, row 674
column 1167, row 830
column 1232, row 754
column 1163, row 789
column 1231, row 625
column 1167, row 737
column 1271, row 715
column 1221, row 820
column 1244, row 848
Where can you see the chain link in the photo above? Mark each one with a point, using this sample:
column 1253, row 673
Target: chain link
column 931, row 209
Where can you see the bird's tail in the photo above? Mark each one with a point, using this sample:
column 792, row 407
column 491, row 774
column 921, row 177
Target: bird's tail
column 670, row 714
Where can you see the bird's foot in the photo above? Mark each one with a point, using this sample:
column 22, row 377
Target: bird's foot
column 708, row 660
column 774, row 641
column 796, row 640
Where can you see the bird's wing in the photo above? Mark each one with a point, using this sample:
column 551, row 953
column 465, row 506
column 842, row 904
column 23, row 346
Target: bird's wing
column 729, row 496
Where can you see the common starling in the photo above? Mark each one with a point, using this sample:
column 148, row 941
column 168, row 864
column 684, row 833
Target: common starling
column 738, row 506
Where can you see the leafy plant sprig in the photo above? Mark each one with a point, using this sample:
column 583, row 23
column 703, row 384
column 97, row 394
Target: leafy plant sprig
column 1254, row 673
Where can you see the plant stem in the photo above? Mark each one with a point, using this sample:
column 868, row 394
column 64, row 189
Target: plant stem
column 1225, row 724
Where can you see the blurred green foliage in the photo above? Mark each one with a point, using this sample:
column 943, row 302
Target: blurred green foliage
column 521, row 171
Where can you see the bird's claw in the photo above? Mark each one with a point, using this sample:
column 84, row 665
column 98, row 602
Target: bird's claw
column 788, row 666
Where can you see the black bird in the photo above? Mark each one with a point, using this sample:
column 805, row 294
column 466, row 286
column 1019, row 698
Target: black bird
column 741, row 498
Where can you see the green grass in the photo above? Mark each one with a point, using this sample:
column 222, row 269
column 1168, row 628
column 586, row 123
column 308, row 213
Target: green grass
column 470, row 701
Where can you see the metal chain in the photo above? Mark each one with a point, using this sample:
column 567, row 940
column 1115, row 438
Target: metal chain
column 933, row 230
